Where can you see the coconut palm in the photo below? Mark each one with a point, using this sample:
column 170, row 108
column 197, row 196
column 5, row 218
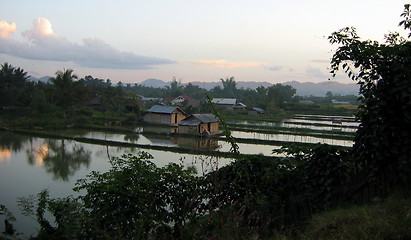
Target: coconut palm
column 67, row 92
column 12, row 83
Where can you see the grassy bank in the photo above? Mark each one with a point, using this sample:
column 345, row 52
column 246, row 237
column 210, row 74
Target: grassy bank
column 379, row 220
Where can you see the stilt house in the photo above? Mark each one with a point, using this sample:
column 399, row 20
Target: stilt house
column 164, row 115
column 201, row 124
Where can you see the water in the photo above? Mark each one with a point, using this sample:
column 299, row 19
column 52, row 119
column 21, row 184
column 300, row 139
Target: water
column 30, row 164
column 314, row 122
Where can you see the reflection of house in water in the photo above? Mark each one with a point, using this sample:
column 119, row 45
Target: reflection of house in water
column 159, row 129
column 162, row 141
column 184, row 142
column 165, row 115
column 198, row 143
column 201, row 124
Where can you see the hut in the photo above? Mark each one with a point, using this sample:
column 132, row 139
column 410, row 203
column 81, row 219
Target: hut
column 164, row 115
column 201, row 124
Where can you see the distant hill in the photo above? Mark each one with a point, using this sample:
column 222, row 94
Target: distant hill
column 152, row 82
column 320, row 89
column 303, row 88
column 40, row 79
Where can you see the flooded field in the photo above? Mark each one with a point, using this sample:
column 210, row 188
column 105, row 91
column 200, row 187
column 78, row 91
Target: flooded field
column 29, row 164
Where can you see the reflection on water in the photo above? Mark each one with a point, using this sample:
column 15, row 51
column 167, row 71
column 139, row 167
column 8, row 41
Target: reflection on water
column 314, row 122
column 61, row 158
column 11, row 141
column 39, row 163
column 291, row 138
column 5, row 154
column 36, row 156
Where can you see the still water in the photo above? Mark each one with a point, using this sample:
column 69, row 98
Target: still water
column 30, row 164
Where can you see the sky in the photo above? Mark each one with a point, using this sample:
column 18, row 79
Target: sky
column 190, row 40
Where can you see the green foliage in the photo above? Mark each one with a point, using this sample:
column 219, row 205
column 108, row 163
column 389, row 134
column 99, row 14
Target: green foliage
column 67, row 214
column 136, row 199
column 383, row 140
column 229, row 138
column 9, row 215
column 14, row 88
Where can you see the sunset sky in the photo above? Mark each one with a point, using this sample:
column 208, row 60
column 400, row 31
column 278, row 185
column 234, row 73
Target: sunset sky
column 192, row 40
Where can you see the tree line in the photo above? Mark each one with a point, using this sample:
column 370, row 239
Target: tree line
column 66, row 95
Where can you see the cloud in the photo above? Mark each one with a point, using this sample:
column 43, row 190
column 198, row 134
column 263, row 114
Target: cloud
column 44, row 44
column 225, row 64
column 6, row 29
column 316, row 72
column 275, row 68
column 41, row 28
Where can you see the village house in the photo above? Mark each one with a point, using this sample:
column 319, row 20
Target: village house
column 148, row 100
column 164, row 115
column 182, row 101
column 201, row 124
column 229, row 103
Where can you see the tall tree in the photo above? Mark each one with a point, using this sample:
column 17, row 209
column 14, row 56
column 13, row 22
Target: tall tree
column 229, row 86
column 67, row 92
column 13, row 83
column 383, row 71
column 175, row 88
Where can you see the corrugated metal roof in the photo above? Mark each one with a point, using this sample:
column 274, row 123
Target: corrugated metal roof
column 196, row 119
column 164, row 109
column 206, row 118
column 224, row 101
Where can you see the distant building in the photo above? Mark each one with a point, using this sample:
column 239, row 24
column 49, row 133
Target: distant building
column 183, row 100
column 165, row 115
column 229, row 103
column 256, row 112
column 148, row 100
column 224, row 101
column 304, row 101
column 201, row 124
column 340, row 102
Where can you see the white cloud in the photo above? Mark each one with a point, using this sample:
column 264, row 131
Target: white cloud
column 226, row 64
column 44, row 44
column 41, row 28
column 6, row 29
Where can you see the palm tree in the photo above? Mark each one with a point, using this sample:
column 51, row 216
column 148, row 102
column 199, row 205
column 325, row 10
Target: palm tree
column 229, row 86
column 64, row 86
column 12, row 83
